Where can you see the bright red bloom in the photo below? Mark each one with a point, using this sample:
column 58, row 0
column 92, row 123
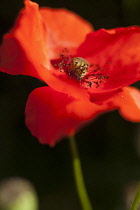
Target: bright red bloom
column 35, row 47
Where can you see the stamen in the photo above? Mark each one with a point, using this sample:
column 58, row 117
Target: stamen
column 78, row 68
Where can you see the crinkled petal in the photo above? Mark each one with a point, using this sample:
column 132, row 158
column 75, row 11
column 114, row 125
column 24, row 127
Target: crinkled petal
column 51, row 115
column 121, row 48
column 128, row 103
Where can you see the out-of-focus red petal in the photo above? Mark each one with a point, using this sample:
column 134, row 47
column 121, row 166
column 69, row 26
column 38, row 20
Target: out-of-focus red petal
column 51, row 115
column 121, row 48
column 46, row 115
column 128, row 103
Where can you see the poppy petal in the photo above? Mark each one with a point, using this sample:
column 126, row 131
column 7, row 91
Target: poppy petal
column 14, row 61
column 51, row 115
column 67, row 31
column 25, row 43
column 36, row 36
column 85, row 110
column 128, row 103
column 46, row 115
column 120, row 47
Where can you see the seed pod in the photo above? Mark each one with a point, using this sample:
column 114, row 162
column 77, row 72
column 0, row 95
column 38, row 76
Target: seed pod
column 79, row 68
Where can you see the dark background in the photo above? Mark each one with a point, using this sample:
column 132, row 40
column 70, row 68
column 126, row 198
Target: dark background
column 109, row 147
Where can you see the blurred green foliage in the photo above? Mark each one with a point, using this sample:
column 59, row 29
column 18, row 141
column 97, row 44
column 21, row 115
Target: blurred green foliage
column 109, row 146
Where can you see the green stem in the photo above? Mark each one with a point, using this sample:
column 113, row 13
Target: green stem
column 136, row 200
column 80, row 185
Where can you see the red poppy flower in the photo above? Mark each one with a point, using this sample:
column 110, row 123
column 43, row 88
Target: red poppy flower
column 87, row 71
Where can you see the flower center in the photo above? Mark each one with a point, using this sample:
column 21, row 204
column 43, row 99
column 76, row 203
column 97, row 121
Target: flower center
column 78, row 68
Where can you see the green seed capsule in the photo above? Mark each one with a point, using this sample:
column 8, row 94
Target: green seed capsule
column 79, row 68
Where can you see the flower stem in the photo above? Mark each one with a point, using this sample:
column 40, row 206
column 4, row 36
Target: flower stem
column 136, row 200
column 80, row 185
